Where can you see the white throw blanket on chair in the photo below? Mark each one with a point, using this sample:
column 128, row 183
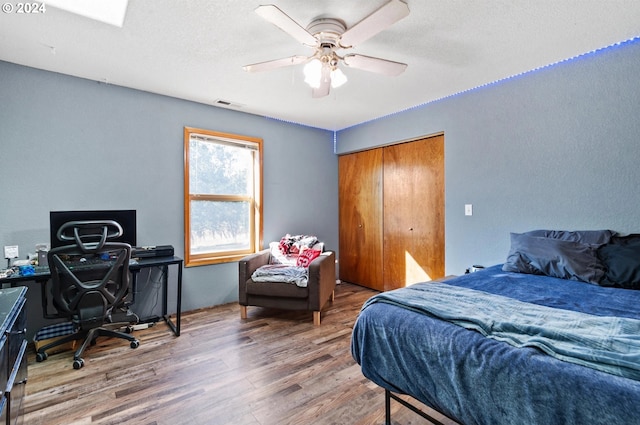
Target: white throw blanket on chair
column 282, row 273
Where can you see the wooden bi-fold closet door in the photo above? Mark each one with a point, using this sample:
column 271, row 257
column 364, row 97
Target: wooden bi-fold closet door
column 413, row 212
column 391, row 202
column 360, row 218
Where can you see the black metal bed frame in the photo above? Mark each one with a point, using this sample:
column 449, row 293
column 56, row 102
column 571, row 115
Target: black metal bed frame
column 388, row 395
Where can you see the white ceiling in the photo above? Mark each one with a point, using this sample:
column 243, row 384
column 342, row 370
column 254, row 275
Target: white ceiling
column 195, row 50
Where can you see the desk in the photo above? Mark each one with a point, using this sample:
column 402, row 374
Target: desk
column 43, row 276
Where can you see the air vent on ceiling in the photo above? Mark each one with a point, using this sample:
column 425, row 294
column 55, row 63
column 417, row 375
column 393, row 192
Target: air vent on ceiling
column 226, row 104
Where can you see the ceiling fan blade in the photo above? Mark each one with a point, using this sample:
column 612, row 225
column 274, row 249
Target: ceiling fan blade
column 277, row 63
column 378, row 21
column 325, row 83
column 381, row 66
column 280, row 19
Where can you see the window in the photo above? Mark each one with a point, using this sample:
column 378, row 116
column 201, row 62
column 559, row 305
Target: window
column 222, row 196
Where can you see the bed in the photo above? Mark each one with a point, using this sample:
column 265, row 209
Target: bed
column 552, row 336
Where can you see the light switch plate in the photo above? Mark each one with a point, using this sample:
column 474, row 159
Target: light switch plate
column 468, row 209
column 11, row 251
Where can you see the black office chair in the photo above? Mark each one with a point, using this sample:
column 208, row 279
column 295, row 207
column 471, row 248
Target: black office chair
column 89, row 277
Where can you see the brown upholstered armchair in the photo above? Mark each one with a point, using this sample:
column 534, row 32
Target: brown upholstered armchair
column 320, row 287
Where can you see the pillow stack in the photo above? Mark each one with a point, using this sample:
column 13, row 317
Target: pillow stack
column 594, row 256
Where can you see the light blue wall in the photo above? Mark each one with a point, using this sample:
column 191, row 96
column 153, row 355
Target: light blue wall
column 554, row 148
column 68, row 143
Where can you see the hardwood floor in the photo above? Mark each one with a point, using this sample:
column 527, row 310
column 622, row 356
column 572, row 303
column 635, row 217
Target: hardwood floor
column 273, row 368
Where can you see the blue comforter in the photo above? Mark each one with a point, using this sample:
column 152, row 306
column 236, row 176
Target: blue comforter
column 403, row 347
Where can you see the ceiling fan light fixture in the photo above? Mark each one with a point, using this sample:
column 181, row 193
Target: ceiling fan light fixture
column 337, row 78
column 313, row 73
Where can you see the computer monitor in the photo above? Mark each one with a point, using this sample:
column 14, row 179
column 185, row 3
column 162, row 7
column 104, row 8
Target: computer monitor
column 126, row 219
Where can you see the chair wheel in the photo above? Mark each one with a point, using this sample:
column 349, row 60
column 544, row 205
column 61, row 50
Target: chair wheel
column 135, row 343
column 40, row 357
column 78, row 363
column 129, row 329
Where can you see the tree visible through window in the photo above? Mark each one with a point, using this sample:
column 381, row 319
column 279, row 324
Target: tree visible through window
column 222, row 173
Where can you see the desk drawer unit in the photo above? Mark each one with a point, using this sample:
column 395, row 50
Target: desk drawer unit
column 13, row 357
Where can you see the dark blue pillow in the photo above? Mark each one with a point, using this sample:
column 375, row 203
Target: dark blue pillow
column 554, row 257
column 592, row 237
column 621, row 258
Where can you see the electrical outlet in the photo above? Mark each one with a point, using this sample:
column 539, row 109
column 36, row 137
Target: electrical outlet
column 11, row 252
column 468, row 209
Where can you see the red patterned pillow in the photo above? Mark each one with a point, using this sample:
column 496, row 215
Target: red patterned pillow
column 306, row 257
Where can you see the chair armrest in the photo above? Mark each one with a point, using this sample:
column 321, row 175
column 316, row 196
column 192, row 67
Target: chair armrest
column 322, row 279
column 251, row 263
column 247, row 266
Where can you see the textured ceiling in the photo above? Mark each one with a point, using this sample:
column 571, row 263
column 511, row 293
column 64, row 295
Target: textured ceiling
column 195, row 50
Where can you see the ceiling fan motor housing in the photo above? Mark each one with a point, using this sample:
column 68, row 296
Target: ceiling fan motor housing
column 327, row 31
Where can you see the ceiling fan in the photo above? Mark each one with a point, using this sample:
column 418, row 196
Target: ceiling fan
column 327, row 36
